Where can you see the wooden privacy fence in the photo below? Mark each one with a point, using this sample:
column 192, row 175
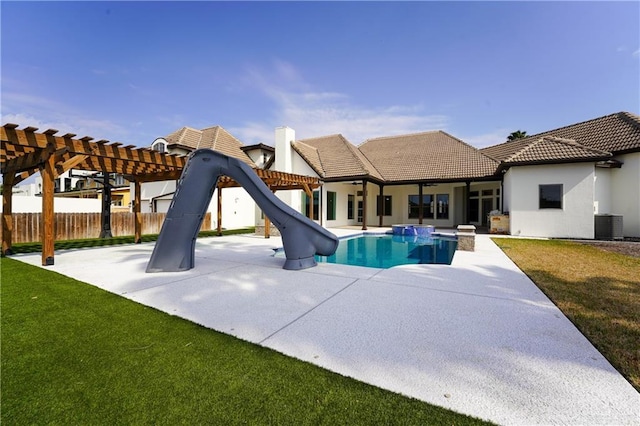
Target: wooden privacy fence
column 27, row 227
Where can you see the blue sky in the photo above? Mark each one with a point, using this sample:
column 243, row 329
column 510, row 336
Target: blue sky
column 134, row 71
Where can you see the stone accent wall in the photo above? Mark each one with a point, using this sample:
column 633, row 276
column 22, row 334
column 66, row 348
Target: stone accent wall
column 466, row 237
column 273, row 231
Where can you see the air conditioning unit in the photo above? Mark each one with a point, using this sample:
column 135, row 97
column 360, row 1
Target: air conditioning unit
column 608, row 227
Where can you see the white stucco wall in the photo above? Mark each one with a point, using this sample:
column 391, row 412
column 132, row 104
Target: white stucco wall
column 574, row 220
column 238, row 208
column 625, row 193
column 603, row 196
column 33, row 204
column 149, row 190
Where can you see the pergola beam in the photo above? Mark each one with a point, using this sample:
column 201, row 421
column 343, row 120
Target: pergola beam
column 28, row 137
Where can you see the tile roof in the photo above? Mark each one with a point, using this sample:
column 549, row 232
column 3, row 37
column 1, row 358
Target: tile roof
column 427, row 156
column 549, row 149
column 335, row 157
column 614, row 133
column 216, row 138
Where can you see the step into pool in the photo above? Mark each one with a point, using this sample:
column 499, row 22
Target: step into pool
column 386, row 251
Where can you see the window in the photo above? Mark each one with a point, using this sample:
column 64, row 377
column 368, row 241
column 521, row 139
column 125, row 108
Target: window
column 118, row 180
column 67, row 184
column 474, row 209
column 386, row 205
column 331, row 205
column 428, row 206
column 350, row 205
column 550, row 196
column 414, row 206
column 159, row 146
column 442, row 202
column 487, row 192
column 316, row 203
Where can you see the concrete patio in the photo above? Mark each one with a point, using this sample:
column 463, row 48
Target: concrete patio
column 477, row 337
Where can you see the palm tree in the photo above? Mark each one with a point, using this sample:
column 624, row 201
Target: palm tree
column 518, row 134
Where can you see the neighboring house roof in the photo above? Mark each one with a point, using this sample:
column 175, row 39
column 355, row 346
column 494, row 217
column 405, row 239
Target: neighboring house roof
column 334, row 157
column 260, row 146
column 215, row 138
column 435, row 156
column 615, row 133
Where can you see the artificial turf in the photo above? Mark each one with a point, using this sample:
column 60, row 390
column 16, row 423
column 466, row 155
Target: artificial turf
column 75, row 354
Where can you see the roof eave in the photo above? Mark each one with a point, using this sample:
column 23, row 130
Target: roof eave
column 505, row 165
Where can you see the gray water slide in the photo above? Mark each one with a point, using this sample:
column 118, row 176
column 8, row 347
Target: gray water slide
column 175, row 249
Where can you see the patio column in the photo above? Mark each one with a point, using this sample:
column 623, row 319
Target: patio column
column 420, row 206
column 381, row 205
column 364, row 204
column 7, row 216
column 467, row 211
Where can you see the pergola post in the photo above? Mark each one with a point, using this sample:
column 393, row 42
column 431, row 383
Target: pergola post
column 309, row 193
column 137, row 212
column 48, row 219
column 267, row 226
column 7, row 217
column 219, row 210
column 267, row 221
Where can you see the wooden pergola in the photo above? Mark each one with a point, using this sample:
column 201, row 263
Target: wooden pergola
column 24, row 152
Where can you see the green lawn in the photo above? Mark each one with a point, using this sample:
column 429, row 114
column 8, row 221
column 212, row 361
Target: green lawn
column 74, row 354
column 598, row 291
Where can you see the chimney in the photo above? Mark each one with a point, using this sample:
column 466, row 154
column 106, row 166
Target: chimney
column 284, row 137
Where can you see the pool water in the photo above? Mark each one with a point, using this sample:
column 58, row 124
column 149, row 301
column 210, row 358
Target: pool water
column 385, row 251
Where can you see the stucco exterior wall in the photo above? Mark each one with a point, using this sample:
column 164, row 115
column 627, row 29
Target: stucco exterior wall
column 33, row 204
column 238, row 209
column 603, row 191
column 149, row 190
column 342, row 190
column 625, row 193
column 574, row 220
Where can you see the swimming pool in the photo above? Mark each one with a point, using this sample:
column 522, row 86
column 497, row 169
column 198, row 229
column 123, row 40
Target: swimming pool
column 385, row 251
